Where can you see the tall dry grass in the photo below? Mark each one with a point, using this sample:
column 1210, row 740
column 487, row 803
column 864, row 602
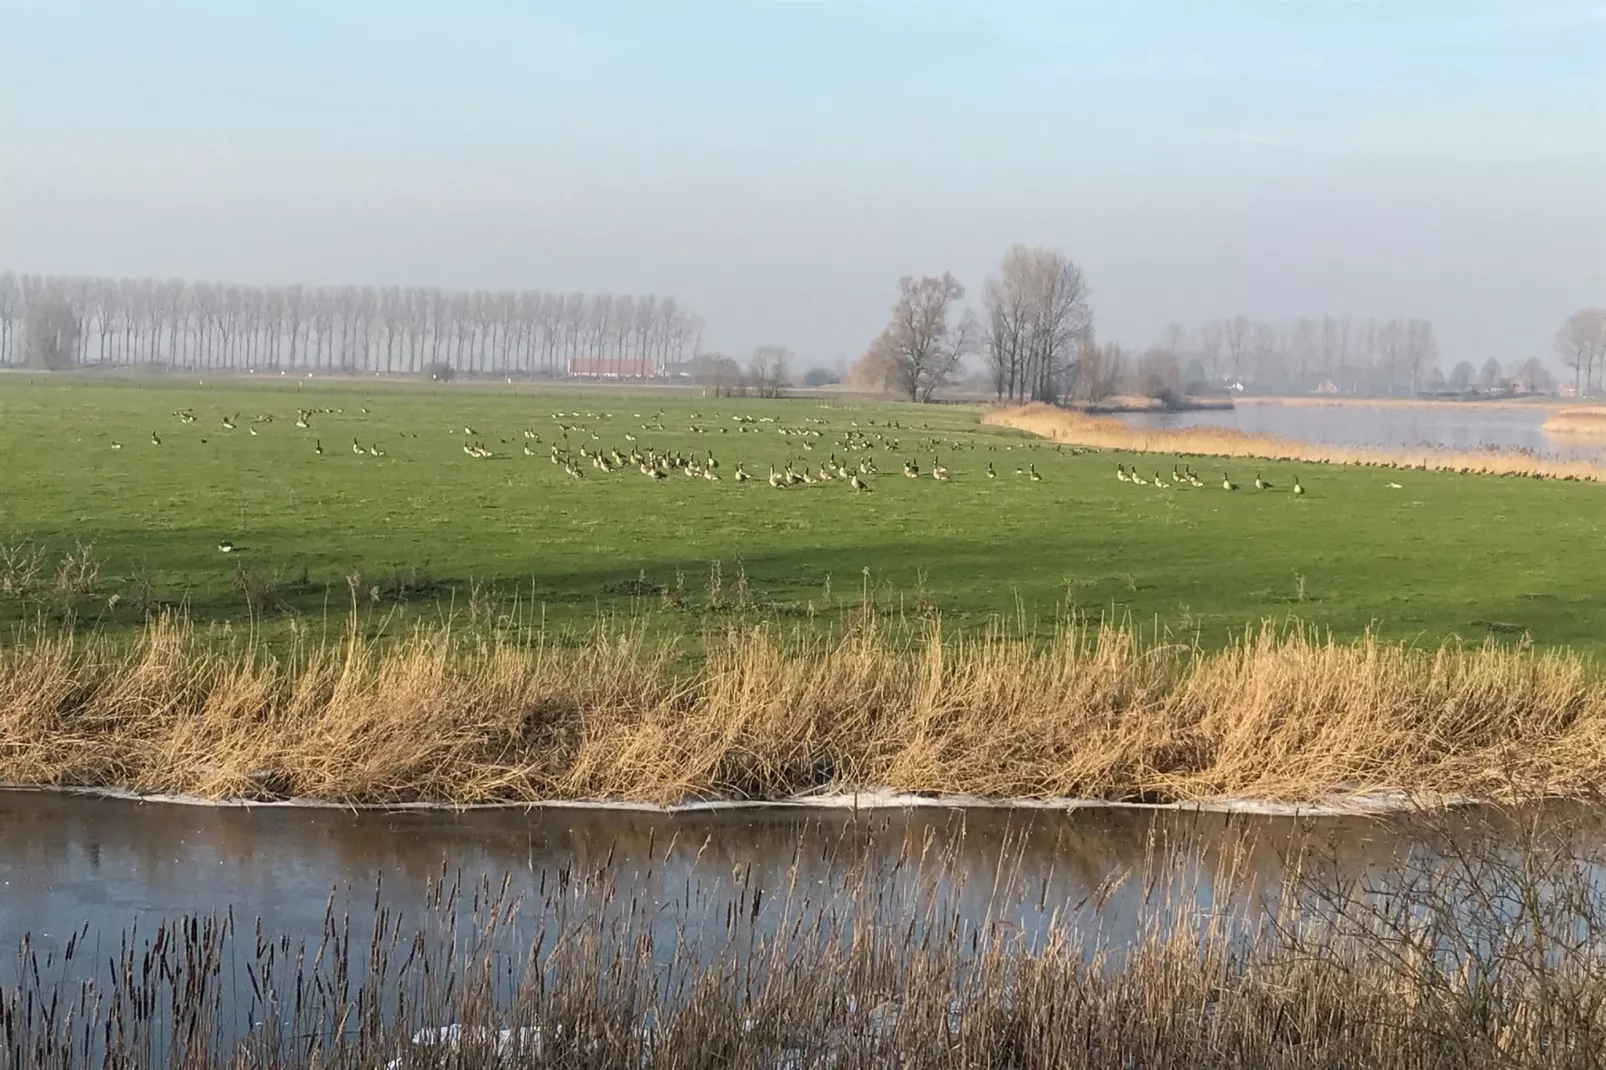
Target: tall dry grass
column 1090, row 712
column 1061, row 425
column 1581, row 423
column 1493, row 959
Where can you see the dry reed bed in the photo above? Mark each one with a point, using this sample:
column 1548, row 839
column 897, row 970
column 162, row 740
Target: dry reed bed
column 1495, row 961
column 1581, row 423
column 1061, row 425
column 1091, row 712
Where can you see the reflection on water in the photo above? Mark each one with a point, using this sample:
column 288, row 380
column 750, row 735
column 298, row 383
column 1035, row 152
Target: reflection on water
column 66, row 861
column 1386, row 426
column 669, row 890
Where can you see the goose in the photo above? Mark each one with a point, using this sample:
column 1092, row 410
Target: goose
column 528, row 452
column 741, row 475
column 1139, row 480
column 1261, row 484
column 228, row 424
column 775, row 478
column 375, row 451
column 1162, row 484
column 710, row 475
column 301, row 420
column 856, row 483
column 990, row 473
column 825, row 474
column 253, row 431
column 938, row 472
column 358, row 450
column 1120, row 471
column 1176, row 477
column 317, row 447
column 155, row 441
column 226, row 546
column 117, row 445
column 1032, row 475
column 1227, row 484
column 1298, row 487
column 911, row 469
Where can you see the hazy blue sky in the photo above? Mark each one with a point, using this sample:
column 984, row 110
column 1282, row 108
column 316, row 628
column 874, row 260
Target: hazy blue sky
column 777, row 165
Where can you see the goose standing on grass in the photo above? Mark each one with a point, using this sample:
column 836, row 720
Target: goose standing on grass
column 1299, row 488
column 938, row 472
column 990, row 473
column 155, row 441
column 1158, row 482
column 317, row 447
column 856, row 483
column 1227, row 484
column 741, row 474
column 1139, row 480
column 117, row 445
column 1031, row 473
column 1261, row 484
column 1120, row 472
column 775, row 478
column 226, row 546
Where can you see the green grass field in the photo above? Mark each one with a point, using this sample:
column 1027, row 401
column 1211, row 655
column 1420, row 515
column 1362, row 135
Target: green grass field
column 425, row 526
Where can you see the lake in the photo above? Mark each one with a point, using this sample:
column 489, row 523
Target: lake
column 1449, row 427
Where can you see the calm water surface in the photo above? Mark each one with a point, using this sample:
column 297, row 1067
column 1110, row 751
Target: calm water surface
column 105, row 874
column 1445, row 426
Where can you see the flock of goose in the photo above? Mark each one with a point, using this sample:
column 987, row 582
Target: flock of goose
column 1186, row 477
column 576, row 446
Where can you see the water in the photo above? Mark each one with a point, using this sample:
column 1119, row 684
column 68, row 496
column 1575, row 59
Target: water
column 88, row 870
column 1450, row 427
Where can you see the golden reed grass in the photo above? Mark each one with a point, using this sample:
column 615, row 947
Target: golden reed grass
column 1584, row 423
column 1091, row 712
column 1061, row 425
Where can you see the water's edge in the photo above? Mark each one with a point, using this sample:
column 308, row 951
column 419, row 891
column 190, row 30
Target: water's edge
column 1351, row 805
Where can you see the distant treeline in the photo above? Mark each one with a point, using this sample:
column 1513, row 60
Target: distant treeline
column 57, row 322
column 1350, row 355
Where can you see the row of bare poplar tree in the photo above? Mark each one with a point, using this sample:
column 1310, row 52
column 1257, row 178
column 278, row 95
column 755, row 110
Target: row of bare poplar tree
column 51, row 321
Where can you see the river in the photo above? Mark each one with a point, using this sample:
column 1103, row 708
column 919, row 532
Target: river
column 86, row 882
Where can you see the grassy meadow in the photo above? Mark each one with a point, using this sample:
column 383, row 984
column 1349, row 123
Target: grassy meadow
column 103, row 535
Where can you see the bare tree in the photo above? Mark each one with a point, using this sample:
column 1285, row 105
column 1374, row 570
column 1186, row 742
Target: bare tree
column 1159, row 376
column 1490, row 373
column 768, row 370
column 1036, row 310
column 919, row 351
column 1418, row 351
column 50, row 333
column 1097, row 371
column 1236, row 333
column 1581, row 341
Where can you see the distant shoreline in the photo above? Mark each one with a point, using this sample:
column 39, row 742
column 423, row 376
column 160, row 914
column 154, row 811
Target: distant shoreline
column 1539, row 401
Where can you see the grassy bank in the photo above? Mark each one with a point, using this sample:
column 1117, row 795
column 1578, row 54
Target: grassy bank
column 1062, row 425
column 615, row 714
column 1492, row 960
column 105, row 537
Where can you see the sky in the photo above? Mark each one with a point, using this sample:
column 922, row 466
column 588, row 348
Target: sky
column 778, row 164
